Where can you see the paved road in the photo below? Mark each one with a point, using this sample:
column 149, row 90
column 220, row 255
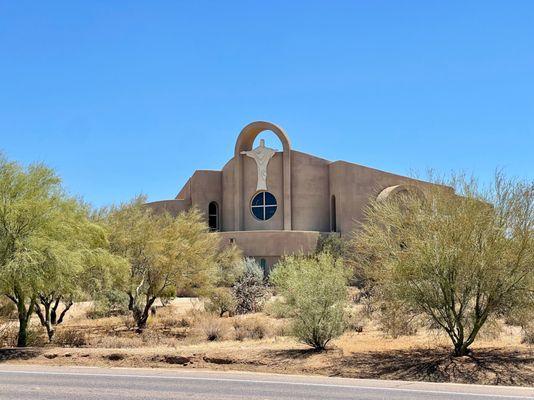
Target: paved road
column 19, row 382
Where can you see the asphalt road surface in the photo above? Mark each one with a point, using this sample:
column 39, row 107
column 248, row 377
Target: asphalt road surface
column 19, row 382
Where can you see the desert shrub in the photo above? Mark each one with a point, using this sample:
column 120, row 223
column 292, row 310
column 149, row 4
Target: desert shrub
column 250, row 328
column 249, row 291
column 109, row 303
column 230, row 266
column 70, row 337
column 36, row 337
column 221, row 301
column 395, row 320
column 278, row 309
column 331, row 243
column 212, row 327
column 167, row 318
column 315, row 288
column 8, row 334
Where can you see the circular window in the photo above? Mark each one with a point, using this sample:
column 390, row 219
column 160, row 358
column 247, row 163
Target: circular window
column 263, row 205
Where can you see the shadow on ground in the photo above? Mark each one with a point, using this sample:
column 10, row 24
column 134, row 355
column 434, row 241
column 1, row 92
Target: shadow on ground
column 484, row 366
column 8, row 354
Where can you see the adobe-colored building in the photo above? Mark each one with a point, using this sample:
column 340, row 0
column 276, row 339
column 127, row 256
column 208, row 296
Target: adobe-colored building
column 271, row 203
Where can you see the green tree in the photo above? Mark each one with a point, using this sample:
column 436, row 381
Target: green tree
column 315, row 290
column 31, row 201
column 78, row 265
column 459, row 259
column 164, row 253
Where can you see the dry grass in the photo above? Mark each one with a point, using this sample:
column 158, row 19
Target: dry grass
column 178, row 335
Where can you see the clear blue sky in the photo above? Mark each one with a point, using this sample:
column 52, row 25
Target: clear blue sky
column 123, row 97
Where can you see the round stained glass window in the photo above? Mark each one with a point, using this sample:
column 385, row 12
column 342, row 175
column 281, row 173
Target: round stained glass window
column 263, row 206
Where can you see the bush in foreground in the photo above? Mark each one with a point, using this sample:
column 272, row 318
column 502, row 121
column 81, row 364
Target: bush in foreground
column 249, row 290
column 315, row 290
column 461, row 259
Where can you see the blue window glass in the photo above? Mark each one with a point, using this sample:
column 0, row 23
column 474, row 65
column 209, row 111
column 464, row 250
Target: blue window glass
column 263, row 205
column 269, row 211
column 269, row 199
column 258, row 212
column 258, row 199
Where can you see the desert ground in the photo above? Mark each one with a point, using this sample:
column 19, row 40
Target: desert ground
column 183, row 335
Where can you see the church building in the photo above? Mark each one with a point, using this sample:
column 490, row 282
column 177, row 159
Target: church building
column 271, row 203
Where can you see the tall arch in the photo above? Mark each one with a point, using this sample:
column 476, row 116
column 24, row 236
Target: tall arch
column 244, row 142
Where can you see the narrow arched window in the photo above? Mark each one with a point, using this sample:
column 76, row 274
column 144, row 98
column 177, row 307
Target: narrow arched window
column 333, row 224
column 213, row 216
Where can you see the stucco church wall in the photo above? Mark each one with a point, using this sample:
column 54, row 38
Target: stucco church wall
column 206, row 186
column 185, row 193
column 353, row 185
column 274, row 186
column 310, row 192
column 271, row 243
column 228, row 196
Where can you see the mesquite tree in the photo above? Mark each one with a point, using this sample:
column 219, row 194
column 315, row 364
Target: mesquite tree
column 459, row 259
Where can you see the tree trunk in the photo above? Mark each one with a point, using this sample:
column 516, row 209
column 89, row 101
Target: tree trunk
column 141, row 315
column 53, row 312
column 22, row 338
column 45, row 318
column 49, row 317
column 68, row 305
column 461, row 349
column 24, row 319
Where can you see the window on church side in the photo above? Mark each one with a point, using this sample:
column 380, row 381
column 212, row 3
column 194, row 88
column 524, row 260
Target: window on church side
column 213, row 216
column 263, row 206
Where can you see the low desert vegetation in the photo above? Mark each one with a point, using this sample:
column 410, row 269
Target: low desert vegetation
column 249, row 290
column 315, row 292
column 453, row 261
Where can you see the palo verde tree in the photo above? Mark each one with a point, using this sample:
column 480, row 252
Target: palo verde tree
column 76, row 264
column 31, row 200
column 164, row 253
column 460, row 259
